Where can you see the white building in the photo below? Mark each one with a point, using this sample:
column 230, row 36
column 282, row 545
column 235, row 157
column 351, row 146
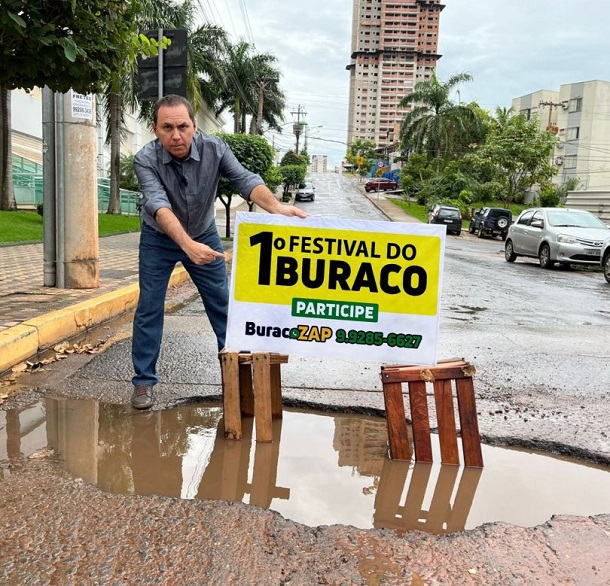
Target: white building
column 319, row 164
column 580, row 115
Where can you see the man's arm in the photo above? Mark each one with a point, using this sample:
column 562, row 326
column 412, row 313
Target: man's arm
column 200, row 254
column 261, row 195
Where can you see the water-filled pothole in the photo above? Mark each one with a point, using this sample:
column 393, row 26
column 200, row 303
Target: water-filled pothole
column 320, row 469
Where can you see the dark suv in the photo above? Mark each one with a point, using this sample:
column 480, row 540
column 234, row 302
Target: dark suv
column 491, row 222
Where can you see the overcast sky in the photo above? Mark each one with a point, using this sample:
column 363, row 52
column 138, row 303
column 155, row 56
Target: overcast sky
column 510, row 47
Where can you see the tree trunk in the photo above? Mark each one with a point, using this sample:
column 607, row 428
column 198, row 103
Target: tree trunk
column 114, row 107
column 7, row 193
column 236, row 117
column 227, row 205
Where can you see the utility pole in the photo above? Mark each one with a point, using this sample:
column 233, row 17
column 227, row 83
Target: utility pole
column 550, row 126
column 298, row 126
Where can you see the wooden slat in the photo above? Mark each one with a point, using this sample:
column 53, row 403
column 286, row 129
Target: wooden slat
column 276, row 391
column 246, row 392
column 274, row 358
column 396, row 422
column 420, row 421
column 451, row 370
column 230, row 395
column 445, row 416
column 262, row 396
column 471, row 439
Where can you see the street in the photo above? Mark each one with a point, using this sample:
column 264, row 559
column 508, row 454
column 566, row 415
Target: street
column 538, row 339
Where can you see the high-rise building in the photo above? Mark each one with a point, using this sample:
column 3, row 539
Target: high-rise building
column 394, row 45
column 319, row 164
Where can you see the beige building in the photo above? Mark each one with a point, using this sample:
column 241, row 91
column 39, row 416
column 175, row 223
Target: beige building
column 579, row 113
column 319, row 164
column 394, row 45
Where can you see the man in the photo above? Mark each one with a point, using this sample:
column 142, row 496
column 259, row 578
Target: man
column 178, row 174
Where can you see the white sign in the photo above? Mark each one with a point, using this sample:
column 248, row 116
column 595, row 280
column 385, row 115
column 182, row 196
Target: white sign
column 327, row 287
column 82, row 106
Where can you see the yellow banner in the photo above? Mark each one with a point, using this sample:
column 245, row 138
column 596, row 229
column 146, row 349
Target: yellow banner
column 397, row 273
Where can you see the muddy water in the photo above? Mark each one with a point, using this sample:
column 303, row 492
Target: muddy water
column 320, row 469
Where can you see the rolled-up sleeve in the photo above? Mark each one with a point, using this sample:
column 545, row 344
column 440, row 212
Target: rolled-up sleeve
column 154, row 194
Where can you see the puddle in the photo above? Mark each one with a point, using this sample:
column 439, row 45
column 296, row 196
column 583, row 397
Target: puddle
column 321, row 469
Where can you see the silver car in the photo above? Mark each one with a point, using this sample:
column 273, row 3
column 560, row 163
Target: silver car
column 556, row 235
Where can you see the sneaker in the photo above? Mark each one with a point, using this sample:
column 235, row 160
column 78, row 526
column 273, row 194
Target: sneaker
column 142, row 397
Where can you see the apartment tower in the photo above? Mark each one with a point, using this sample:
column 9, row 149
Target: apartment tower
column 394, row 45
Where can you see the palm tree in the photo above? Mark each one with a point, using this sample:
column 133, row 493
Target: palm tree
column 205, row 48
column 247, row 73
column 435, row 125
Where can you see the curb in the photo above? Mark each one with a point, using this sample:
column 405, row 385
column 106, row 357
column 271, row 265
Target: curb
column 23, row 341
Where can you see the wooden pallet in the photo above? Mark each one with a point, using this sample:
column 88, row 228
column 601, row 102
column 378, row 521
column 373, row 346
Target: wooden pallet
column 441, row 377
column 251, row 387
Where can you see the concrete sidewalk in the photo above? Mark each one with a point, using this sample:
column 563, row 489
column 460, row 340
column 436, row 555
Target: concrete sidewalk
column 34, row 317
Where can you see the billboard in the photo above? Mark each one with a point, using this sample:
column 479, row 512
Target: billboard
column 327, row 287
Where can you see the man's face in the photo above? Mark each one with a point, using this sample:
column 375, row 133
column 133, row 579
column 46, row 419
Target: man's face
column 175, row 130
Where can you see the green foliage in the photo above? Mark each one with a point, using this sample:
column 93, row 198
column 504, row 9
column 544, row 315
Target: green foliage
column 552, row 195
column 515, row 156
column 292, row 175
column 361, row 154
column 273, row 179
column 253, row 152
column 291, row 158
column 64, row 44
column 128, row 178
column 437, row 126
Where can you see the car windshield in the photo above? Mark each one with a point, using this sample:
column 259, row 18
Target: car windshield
column 444, row 213
column 572, row 219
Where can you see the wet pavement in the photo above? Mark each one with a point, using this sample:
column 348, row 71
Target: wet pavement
column 57, row 528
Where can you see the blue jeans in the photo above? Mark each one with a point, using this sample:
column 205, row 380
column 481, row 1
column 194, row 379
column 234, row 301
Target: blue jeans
column 158, row 257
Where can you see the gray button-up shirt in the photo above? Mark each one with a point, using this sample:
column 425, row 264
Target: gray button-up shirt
column 188, row 187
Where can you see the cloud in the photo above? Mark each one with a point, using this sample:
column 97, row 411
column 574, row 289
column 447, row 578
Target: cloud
column 511, row 48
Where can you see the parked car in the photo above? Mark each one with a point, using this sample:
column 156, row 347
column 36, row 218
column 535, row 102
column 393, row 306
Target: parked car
column 491, row 222
column 605, row 259
column 557, row 235
column 448, row 216
column 380, row 184
column 305, row 191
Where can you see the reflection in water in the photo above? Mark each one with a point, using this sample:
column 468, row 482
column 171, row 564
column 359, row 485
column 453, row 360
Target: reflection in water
column 319, row 469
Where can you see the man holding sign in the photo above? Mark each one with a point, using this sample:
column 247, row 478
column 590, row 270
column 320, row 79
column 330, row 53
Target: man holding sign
column 178, row 174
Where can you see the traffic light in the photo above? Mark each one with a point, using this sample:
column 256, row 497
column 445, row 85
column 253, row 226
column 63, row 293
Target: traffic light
column 174, row 67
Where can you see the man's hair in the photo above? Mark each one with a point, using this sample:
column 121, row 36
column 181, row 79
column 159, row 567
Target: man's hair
column 170, row 101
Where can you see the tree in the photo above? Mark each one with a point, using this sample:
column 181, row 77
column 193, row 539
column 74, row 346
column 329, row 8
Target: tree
column 204, row 47
column 63, row 45
column 516, row 154
column 292, row 176
column 435, row 125
column 256, row 155
column 7, row 193
column 291, row 158
column 361, row 153
column 245, row 72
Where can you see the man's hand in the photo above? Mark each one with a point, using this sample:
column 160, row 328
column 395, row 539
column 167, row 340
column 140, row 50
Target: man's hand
column 262, row 197
column 202, row 254
column 286, row 210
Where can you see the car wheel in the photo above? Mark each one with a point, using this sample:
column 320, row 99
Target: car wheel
column 509, row 253
column 480, row 232
column 502, row 223
column 607, row 268
column 471, row 228
column 458, row 232
column 504, row 235
column 544, row 256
